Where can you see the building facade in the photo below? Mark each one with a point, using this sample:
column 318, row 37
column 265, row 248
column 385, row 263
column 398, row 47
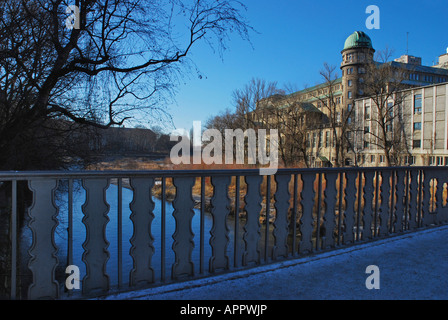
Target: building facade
column 343, row 102
column 425, row 131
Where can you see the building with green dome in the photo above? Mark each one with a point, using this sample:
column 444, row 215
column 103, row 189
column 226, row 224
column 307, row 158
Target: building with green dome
column 335, row 99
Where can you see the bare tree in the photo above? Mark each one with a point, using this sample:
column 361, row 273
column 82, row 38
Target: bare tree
column 338, row 119
column 384, row 85
column 253, row 101
column 121, row 62
column 295, row 120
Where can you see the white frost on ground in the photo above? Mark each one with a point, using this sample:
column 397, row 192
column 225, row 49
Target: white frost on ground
column 412, row 266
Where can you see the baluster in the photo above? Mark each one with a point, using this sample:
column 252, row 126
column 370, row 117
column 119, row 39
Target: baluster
column 43, row 260
column 428, row 205
column 329, row 222
column 399, row 204
column 95, row 219
column 294, row 216
column 377, row 199
column 413, row 198
column 252, row 207
column 306, row 225
column 236, row 256
column 384, row 208
column 369, row 191
column 359, row 210
column 406, row 200
column 427, row 218
column 142, row 248
column 220, row 209
column 420, row 199
column 280, row 232
column 393, row 194
column 349, row 215
column 183, row 236
column 443, row 209
column 13, row 233
column 438, row 200
column 340, row 202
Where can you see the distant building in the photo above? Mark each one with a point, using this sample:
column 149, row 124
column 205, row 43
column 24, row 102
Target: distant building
column 357, row 55
column 425, row 117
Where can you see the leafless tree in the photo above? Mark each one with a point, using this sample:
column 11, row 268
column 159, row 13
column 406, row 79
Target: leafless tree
column 119, row 64
column 295, row 122
column 253, row 101
column 384, row 86
column 339, row 120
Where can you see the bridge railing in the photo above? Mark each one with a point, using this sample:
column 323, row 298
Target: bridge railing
column 189, row 224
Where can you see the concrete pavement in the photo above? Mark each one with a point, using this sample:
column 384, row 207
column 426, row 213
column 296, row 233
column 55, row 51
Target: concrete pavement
column 411, row 266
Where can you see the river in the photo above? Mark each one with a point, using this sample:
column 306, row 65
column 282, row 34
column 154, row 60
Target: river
column 79, row 234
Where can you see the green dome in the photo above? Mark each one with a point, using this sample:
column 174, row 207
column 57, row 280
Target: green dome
column 358, row 39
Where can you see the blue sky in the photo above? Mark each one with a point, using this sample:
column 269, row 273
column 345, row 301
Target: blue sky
column 295, row 38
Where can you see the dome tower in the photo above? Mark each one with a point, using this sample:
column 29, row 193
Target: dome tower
column 357, row 53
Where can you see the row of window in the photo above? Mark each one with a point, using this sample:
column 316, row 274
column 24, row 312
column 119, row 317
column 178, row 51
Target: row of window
column 427, row 78
column 351, row 57
column 351, row 70
column 313, row 140
column 438, row 161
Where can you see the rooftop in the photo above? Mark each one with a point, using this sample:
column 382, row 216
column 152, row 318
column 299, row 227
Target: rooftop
column 358, row 39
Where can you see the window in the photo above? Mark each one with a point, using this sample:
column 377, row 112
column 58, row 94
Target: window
column 417, row 126
column 417, row 103
column 429, row 78
column 389, row 127
column 366, row 144
column 390, row 112
column 410, row 160
column 416, row 144
column 327, row 139
column 361, row 70
column 381, row 159
column 350, row 83
column 367, row 113
column 366, row 129
column 349, row 94
column 372, row 158
column 321, row 138
column 439, row 161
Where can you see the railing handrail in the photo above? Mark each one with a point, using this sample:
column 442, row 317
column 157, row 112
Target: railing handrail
column 330, row 207
column 26, row 175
